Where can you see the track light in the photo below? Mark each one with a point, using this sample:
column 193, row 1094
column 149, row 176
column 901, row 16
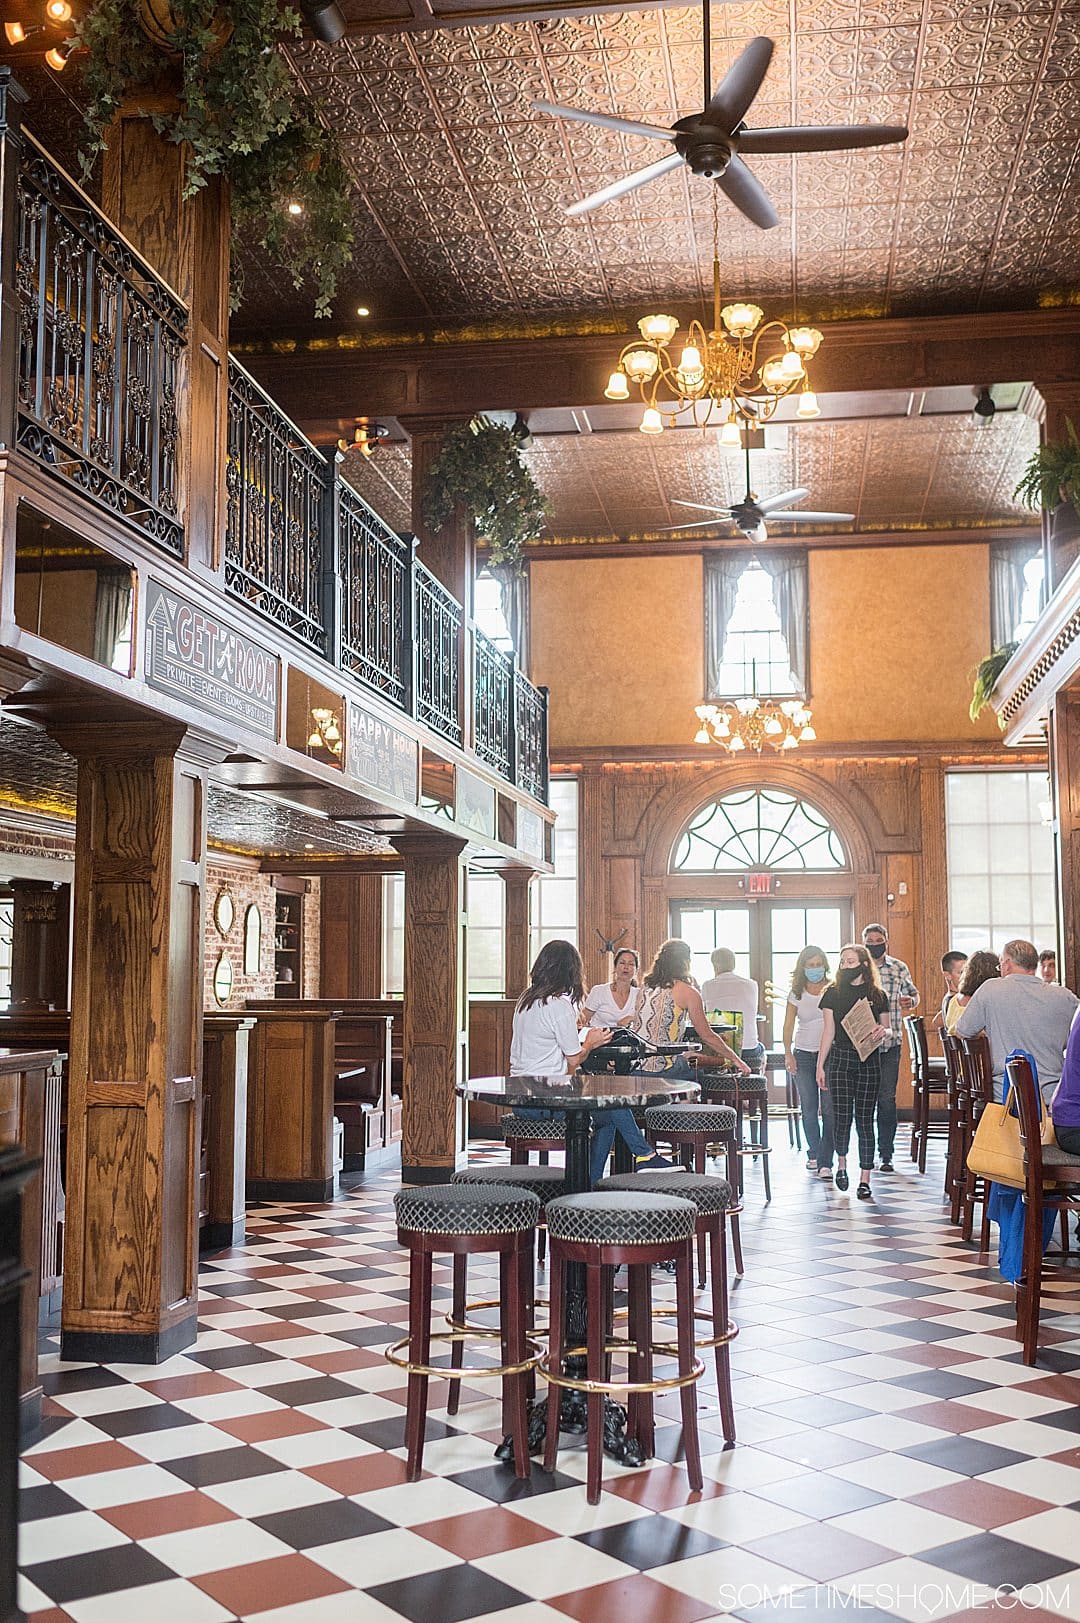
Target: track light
column 326, row 20
column 366, row 436
column 984, row 407
column 58, row 11
column 19, row 33
column 57, row 58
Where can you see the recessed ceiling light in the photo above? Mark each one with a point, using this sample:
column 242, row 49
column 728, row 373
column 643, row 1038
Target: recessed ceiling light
column 296, row 208
column 310, row 845
column 362, row 310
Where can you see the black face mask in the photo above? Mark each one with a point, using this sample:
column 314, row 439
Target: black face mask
column 851, row 977
column 876, row 949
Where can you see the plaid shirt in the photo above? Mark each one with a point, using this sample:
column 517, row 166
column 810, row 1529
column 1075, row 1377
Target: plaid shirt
column 896, row 982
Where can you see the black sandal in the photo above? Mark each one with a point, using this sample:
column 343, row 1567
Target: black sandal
column 863, row 1191
column 841, row 1179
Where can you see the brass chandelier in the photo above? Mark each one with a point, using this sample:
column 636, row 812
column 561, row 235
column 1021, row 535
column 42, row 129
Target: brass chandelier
column 753, row 724
column 734, row 375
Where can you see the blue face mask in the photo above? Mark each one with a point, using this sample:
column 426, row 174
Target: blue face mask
column 813, row 976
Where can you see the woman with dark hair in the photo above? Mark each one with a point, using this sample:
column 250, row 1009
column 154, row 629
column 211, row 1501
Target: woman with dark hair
column 802, row 1038
column 854, row 1083
column 546, row 1041
column 981, row 966
column 611, row 1003
column 666, row 1002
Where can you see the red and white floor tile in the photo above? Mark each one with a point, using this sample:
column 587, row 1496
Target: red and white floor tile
column 895, row 1457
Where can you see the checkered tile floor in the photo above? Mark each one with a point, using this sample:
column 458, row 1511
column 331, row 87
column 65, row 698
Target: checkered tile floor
column 895, row 1457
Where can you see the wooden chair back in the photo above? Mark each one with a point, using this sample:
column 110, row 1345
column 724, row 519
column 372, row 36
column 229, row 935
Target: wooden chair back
column 978, row 1070
column 1022, row 1088
column 950, row 1047
column 915, row 1026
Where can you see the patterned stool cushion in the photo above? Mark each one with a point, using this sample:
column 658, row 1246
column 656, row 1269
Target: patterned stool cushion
column 531, row 1131
column 466, row 1208
column 621, row 1219
column 718, row 1119
column 717, row 1085
column 707, row 1194
column 545, row 1182
column 752, row 1085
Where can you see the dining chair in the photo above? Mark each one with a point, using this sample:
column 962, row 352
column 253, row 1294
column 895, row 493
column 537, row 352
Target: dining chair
column 1052, row 1183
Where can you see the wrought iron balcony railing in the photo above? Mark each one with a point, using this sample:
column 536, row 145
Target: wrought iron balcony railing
column 100, row 357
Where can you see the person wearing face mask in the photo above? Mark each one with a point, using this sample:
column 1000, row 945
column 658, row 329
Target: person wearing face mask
column 852, row 1082
column 903, row 995
column 802, row 1038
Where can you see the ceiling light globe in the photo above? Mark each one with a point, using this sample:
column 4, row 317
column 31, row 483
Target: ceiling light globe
column 808, row 735
column 773, row 726
column 806, row 341
column 58, row 11
column 690, row 360
column 722, row 728
column 790, row 743
column 641, row 365
column 736, row 744
column 808, row 405
column 702, row 736
column 740, row 319
column 791, row 366
column 617, row 387
column 772, row 375
column 729, row 434
column 651, row 421
column 658, row 329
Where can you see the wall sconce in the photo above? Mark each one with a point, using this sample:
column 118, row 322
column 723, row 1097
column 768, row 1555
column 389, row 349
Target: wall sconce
column 366, row 436
column 326, row 732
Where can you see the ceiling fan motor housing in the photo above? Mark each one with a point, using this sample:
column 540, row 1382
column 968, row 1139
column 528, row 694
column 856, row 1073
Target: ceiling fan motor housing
column 707, row 150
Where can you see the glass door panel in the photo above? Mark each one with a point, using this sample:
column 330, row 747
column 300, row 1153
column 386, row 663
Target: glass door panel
column 790, row 929
column 705, row 928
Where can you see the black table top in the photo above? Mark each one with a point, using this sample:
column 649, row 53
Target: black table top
column 579, row 1092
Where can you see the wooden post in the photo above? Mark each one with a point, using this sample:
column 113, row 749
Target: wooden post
column 435, row 1032
column 224, row 1103
column 136, row 1039
column 186, row 239
column 350, row 928
column 290, row 1141
column 39, row 946
column 1065, row 787
column 517, row 956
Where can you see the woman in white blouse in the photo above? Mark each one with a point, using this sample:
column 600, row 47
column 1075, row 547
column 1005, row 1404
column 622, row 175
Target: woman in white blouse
column 611, row 1003
column 803, row 1029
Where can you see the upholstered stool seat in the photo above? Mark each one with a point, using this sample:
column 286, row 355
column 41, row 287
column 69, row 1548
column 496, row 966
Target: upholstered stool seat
column 714, row 1198
column 467, row 1219
column 718, row 1119
column 602, row 1231
column 749, row 1095
column 533, row 1129
column 544, row 1182
column 692, row 1130
column 748, row 1085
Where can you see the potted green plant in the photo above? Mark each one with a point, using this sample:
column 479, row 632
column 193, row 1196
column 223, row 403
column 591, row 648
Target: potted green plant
column 230, row 98
column 986, row 676
column 1051, row 481
column 480, row 466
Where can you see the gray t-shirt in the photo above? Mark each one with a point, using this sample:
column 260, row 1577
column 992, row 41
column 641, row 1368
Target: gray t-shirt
column 1021, row 1011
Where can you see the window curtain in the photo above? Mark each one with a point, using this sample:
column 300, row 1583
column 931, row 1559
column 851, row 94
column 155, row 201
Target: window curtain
column 722, row 573
column 112, row 611
column 1008, row 560
column 514, row 597
column 791, row 596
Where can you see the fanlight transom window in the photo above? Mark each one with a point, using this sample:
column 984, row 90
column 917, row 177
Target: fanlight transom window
column 758, row 828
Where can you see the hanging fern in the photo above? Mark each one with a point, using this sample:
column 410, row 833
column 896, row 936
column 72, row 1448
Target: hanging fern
column 480, row 466
column 986, row 677
column 1052, row 473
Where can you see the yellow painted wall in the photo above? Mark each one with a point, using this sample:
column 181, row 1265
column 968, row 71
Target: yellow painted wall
column 895, row 634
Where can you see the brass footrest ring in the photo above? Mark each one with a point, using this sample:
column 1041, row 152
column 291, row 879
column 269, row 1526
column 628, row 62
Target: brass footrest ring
column 463, row 1371
column 700, row 1313
column 485, row 1331
column 583, row 1384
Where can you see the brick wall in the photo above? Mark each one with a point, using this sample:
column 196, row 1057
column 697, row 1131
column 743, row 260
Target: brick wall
column 248, row 888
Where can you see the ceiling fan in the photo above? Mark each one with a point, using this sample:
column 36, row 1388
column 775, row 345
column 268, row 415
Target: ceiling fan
column 750, row 514
column 712, row 142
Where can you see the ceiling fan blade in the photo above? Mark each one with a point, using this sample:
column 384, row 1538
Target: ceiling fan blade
column 603, row 121
column 816, row 518
column 698, row 524
column 701, row 507
column 629, row 183
column 748, row 194
column 771, row 503
column 822, row 138
column 732, row 97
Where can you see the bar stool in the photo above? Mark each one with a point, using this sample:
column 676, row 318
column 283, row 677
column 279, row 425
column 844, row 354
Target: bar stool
column 603, row 1231
column 714, row 1198
column 546, row 1183
column 525, row 1134
column 691, row 1130
column 750, row 1097
column 466, row 1220
column 929, row 1079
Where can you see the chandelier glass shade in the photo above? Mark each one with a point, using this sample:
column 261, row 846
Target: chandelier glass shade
column 755, row 724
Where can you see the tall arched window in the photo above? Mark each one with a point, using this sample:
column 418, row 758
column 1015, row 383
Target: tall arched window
column 759, row 828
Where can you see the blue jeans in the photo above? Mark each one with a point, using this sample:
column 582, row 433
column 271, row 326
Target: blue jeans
column 886, row 1105
column 817, row 1109
column 605, row 1124
column 754, row 1057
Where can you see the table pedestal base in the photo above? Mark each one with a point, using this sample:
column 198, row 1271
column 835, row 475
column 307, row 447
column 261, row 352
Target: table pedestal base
column 573, row 1418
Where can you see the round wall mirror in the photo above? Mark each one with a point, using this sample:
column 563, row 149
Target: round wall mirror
column 224, row 911
column 223, row 979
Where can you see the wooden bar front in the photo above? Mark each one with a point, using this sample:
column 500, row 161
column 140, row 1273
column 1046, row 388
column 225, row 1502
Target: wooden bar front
column 290, row 1153
column 226, row 1040
column 24, row 1076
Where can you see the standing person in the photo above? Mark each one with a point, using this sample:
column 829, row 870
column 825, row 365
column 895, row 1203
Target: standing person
column 952, row 967
column 981, row 966
column 611, row 1003
column 1021, row 1011
column 801, row 1044
column 852, row 1082
column 736, row 994
column 903, row 995
column 666, row 1002
column 546, row 1041
column 1048, row 966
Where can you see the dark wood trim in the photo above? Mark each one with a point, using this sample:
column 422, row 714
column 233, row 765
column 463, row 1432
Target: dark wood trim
column 950, row 752
column 560, row 551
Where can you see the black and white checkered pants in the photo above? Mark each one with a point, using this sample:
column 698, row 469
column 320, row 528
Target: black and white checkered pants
column 854, row 1086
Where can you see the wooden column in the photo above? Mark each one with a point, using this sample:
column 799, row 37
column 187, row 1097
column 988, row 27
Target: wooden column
column 517, row 955
column 290, row 1141
column 592, row 878
column 351, row 925
column 39, row 946
column 136, row 1039
column 435, row 1010
column 1065, row 787
column 186, row 239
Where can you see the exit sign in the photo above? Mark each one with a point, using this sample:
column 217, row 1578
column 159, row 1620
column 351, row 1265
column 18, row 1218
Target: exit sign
column 759, row 884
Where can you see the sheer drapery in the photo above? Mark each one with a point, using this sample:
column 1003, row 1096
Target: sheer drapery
column 514, row 597
column 791, row 594
column 1008, row 560
column 112, row 612
column 722, row 573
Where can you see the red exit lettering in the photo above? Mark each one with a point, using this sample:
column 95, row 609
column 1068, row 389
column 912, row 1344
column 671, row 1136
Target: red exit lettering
column 759, row 884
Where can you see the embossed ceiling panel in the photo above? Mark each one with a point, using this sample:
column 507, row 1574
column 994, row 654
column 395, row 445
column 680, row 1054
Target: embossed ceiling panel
column 461, row 187
column 892, row 473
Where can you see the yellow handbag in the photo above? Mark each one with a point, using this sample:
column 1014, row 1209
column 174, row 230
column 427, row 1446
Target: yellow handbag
column 996, row 1150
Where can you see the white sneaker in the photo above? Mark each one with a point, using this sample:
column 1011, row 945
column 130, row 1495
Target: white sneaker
column 825, row 1172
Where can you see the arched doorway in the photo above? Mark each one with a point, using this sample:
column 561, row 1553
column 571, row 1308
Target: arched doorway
column 762, row 871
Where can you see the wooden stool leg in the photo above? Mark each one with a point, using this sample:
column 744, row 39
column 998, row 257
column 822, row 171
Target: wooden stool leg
column 700, row 1148
column 457, row 1310
column 968, row 1204
column 984, row 1227
column 763, row 1140
column 733, row 1180
column 555, row 1352
column 639, row 1329
column 541, row 1243
column 1032, row 1296
column 718, row 1242
column 595, row 1400
column 519, row 1155
column 419, row 1353
column 1064, row 1226
column 684, row 1309
column 924, row 1125
column 512, row 1275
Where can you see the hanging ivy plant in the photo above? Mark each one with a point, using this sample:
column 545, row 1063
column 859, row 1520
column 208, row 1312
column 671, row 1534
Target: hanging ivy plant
column 481, row 467
column 986, row 676
column 235, row 106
